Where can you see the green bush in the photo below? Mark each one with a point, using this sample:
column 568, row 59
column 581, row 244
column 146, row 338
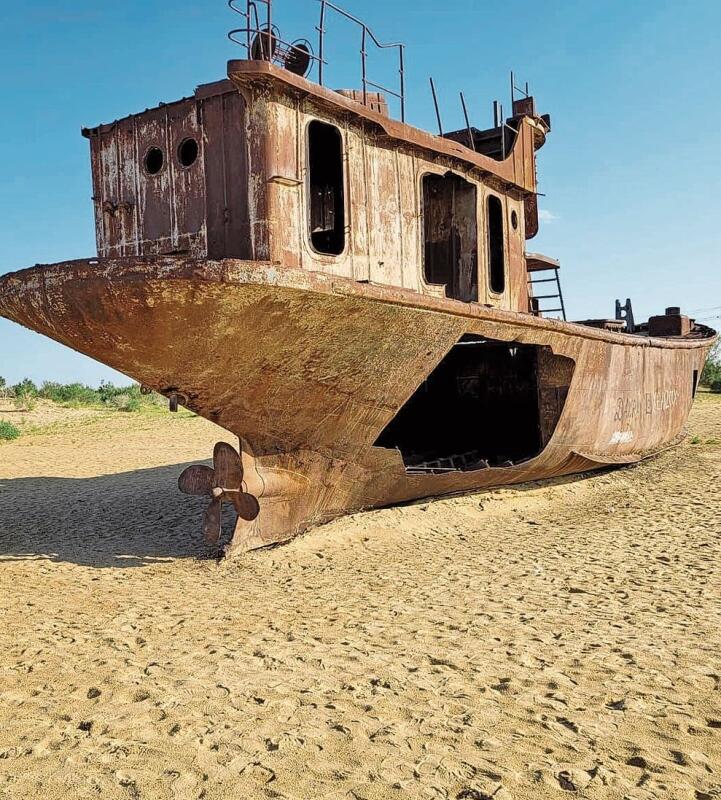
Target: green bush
column 24, row 402
column 108, row 391
column 119, row 401
column 132, row 404
column 8, row 431
column 74, row 394
column 712, row 370
column 26, row 388
column 716, row 386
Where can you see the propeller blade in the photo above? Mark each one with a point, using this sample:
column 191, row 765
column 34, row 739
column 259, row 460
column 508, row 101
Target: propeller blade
column 196, row 480
column 246, row 506
column 228, row 466
column 211, row 522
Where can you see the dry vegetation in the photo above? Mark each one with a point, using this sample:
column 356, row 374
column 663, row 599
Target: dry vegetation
column 548, row 641
column 26, row 408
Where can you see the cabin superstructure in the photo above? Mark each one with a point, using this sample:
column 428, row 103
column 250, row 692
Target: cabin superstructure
column 270, row 166
column 175, row 179
column 349, row 295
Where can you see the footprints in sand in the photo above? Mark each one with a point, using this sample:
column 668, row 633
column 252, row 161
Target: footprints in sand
column 439, row 651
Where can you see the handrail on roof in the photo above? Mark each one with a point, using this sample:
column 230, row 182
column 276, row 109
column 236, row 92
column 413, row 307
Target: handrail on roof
column 264, row 40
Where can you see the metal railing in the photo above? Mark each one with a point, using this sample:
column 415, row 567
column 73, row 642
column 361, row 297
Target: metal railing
column 366, row 35
column 262, row 41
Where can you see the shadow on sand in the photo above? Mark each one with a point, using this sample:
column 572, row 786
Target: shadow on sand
column 131, row 519
column 126, row 520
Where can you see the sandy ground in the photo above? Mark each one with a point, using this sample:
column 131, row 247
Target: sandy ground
column 544, row 642
column 43, row 414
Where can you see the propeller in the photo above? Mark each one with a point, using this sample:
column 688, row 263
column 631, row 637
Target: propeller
column 223, row 484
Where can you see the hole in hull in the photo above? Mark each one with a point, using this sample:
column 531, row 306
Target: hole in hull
column 487, row 404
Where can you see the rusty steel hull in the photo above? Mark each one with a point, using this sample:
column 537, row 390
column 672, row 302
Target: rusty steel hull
column 308, row 369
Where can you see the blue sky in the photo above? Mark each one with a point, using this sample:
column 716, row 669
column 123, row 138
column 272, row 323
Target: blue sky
column 631, row 172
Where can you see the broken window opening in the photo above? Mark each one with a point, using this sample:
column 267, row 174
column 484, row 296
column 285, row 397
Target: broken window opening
column 487, row 404
column 496, row 246
column 450, row 229
column 325, row 177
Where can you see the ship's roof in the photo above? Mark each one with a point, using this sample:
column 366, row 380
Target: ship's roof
column 518, row 169
column 202, row 92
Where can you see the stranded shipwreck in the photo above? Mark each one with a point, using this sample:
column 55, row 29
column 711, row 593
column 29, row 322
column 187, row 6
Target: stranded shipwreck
column 351, row 296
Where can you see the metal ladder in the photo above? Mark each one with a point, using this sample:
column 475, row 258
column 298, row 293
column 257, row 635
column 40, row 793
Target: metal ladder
column 537, row 263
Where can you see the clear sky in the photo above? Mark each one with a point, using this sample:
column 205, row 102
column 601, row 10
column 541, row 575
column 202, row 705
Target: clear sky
column 631, row 172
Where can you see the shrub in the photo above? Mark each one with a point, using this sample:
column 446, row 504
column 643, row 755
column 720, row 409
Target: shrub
column 716, row 386
column 119, row 398
column 119, row 401
column 712, row 370
column 24, row 402
column 26, row 388
column 127, row 401
column 108, row 391
column 8, row 431
column 70, row 394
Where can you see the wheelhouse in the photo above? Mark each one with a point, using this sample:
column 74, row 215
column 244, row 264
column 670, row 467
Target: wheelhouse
column 269, row 166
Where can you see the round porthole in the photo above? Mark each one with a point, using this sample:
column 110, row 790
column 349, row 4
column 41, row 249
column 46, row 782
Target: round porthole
column 154, row 160
column 514, row 220
column 188, row 152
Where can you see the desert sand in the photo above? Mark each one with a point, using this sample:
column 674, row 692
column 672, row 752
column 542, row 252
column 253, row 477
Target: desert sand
column 554, row 640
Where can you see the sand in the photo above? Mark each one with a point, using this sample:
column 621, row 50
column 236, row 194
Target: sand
column 555, row 640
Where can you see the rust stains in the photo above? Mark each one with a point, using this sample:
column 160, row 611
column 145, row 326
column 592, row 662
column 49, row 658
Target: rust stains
column 308, row 370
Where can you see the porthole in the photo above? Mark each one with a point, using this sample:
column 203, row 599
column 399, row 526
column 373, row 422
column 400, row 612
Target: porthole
column 514, row 220
column 154, row 160
column 188, row 152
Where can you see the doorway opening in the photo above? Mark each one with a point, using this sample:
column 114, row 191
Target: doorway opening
column 325, row 187
column 450, row 228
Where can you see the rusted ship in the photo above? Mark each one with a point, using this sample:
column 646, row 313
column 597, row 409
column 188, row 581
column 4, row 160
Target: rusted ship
column 349, row 295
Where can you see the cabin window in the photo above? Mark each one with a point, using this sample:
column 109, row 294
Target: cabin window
column 188, row 152
column 496, row 248
column 450, row 230
column 325, row 178
column 154, row 160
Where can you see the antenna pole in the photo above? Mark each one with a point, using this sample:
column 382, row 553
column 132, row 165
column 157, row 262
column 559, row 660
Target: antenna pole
column 495, row 113
column 321, row 42
column 471, row 142
column 364, row 56
column 503, row 131
column 270, row 30
column 249, row 23
column 435, row 103
column 403, row 83
column 513, row 90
